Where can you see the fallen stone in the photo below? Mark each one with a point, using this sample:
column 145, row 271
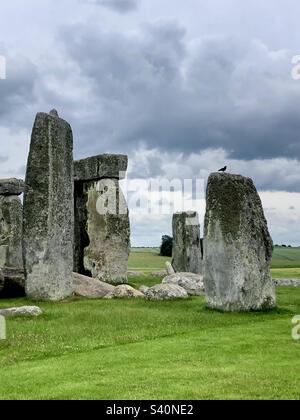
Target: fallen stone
column 166, row 292
column 169, row 268
column 161, row 274
column 12, row 186
column 21, row 311
column 287, row 282
column 135, row 274
column 237, row 247
column 143, row 289
column 90, row 288
column 11, row 221
column 124, row 291
column 49, row 210
column 100, row 167
column 192, row 283
column 187, row 255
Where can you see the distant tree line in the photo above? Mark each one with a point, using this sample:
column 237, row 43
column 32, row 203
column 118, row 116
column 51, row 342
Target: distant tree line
column 166, row 246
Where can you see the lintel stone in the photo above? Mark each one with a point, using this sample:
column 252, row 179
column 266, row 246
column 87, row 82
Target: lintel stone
column 100, row 167
column 12, row 186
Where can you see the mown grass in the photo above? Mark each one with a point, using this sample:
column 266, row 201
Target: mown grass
column 151, row 350
column 285, row 263
column 147, row 260
column 135, row 349
column 286, row 258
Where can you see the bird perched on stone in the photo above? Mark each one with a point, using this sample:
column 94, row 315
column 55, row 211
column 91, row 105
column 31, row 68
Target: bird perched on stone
column 54, row 113
column 223, row 169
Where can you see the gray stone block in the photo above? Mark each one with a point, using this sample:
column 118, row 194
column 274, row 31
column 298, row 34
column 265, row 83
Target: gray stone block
column 187, row 255
column 102, row 231
column 100, row 167
column 12, row 186
column 11, row 216
column 49, row 210
column 237, row 247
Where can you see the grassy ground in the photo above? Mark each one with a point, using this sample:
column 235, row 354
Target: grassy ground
column 147, row 350
column 285, row 264
column 134, row 349
column 147, row 260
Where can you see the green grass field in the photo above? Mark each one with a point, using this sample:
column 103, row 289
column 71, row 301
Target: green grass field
column 135, row 349
column 285, row 264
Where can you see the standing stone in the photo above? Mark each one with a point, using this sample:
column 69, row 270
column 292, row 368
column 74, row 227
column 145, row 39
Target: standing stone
column 102, row 227
column 87, row 174
column 187, row 256
column 237, row 247
column 49, row 210
column 11, row 214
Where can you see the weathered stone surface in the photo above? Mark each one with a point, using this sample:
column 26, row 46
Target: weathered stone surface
column 237, row 247
column 192, row 283
column 90, row 288
column 49, row 210
column 187, row 256
column 101, row 167
column 287, row 282
column 12, row 282
column 169, row 268
column 135, row 274
column 102, row 231
column 11, row 186
column 124, row 291
column 21, row 311
column 161, row 273
column 143, row 289
column 11, row 220
column 166, row 292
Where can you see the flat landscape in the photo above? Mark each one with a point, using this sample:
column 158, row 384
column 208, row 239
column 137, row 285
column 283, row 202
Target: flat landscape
column 136, row 349
column 285, row 264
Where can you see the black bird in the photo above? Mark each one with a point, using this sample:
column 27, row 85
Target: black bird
column 223, row 169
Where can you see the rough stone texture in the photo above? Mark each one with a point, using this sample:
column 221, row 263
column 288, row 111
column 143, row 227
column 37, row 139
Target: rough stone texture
column 90, row 288
column 135, row 274
column 169, row 268
column 12, row 283
column 187, row 256
column 287, row 282
column 166, row 292
column 162, row 273
column 102, row 231
column 11, row 186
column 49, row 210
column 101, row 167
column 143, row 289
column 21, row 311
column 11, row 220
column 124, row 291
column 237, row 247
column 192, row 283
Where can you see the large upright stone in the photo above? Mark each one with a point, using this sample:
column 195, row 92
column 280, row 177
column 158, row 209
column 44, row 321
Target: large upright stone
column 187, row 255
column 11, row 215
column 49, row 210
column 102, row 231
column 237, row 247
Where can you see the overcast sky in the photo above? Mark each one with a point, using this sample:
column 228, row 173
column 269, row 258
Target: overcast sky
column 182, row 87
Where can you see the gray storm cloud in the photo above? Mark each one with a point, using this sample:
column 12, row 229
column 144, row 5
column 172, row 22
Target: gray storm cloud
column 155, row 88
column 121, row 6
